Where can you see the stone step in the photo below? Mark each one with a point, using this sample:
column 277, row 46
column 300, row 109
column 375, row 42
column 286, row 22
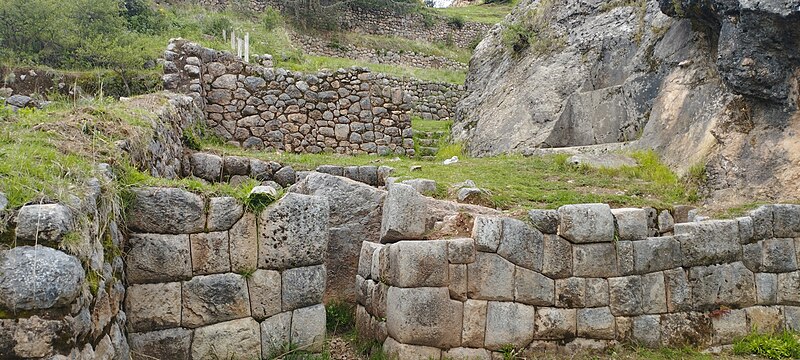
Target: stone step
column 425, row 151
column 427, row 142
column 428, row 158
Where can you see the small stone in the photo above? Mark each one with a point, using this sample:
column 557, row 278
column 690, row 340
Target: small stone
column 285, row 176
column 207, row 166
column 486, row 232
column 422, row 186
column 665, row 222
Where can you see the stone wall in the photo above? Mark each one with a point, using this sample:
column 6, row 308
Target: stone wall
column 432, row 100
column 209, row 279
column 411, row 26
column 582, row 277
column 61, row 287
column 350, row 111
column 321, row 47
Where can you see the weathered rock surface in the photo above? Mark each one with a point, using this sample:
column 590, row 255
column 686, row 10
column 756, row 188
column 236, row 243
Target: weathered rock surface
column 214, row 298
column 424, row 316
column 237, row 339
column 162, row 344
column 38, row 278
column 43, row 224
column 293, row 232
column 355, row 217
column 166, row 211
column 713, row 81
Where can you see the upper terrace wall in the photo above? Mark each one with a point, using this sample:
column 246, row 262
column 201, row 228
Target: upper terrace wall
column 584, row 276
column 350, row 111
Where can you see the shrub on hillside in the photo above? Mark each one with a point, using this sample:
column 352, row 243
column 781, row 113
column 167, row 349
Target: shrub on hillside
column 456, row 22
column 271, row 18
column 215, row 23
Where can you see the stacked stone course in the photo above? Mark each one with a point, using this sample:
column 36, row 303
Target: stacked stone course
column 349, row 111
column 582, row 277
column 208, row 279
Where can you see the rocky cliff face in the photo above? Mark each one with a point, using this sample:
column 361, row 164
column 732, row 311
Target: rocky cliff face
column 711, row 82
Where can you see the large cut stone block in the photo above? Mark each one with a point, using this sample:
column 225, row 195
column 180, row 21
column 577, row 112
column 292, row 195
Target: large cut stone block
column 467, row 353
column 656, row 254
column 571, row 292
column 533, row 288
column 302, row 287
column 501, row 331
column 729, row 326
column 424, row 316
column 767, row 319
column 163, row 344
column 654, row 298
column 552, row 323
column 686, row 329
column 631, row 223
column 214, row 298
column 153, row 306
column 236, row 339
column 355, row 217
column 166, row 211
column 293, row 232
column 223, row 212
column 596, row 323
column 417, row 264
column 779, row 255
column 158, row 258
column 545, row 221
column 490, row 278
column 679, row 294
column 646, row 330
column 596, row 294
column 625, row 295
column 557, row 258
column 594, row 260
column 586, row 223
column 786, row 219
column 709, row 242
column 43, row 223
column 487, row 232
column 461, row 251
column 38, row 278
column 791, row 315
column 766, row 288
column 789, row 288
column 763, row 219
column 405, row 214
column 729, row 284
column 521, row 244
column 276, row 334
column 210, row 253
column 365, row 258
column 308, row 328
column 264, row 288
column 474, row 330
column 244, row 244
column 396, row 350
column 33, row 337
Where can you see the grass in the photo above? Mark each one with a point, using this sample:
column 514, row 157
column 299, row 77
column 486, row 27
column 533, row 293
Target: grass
column 421, row 125
column 311, row 63
column 401, row 44
column 482, row 13
column 783, row 345
column 517, row 182
column 341, row 317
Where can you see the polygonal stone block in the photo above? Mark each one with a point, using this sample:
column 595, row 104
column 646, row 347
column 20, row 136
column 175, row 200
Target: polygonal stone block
column 709, row 242
column 308, row 328
column 264, row 287
column 656, row 254
column 625, row 295
column 424, row 316
column 244, row 244
column 162, row 344
column 210, row 253
column 166, row 211
column 570, row 292
column 679, row 294
column 646, row 330
column 766, row 288
column 302, row 287
column 586, row 223
column 228, row 340
column 654, row 299
column 557, row 257
column 596, row 292
column 596, row 323
column 158, row 258
column 631, row 223
column 293, row 232
column 223, row 212
column 474, row 330
column 153, row 306
column 786, row 219
column 686, row 329
column 789, row 288
column 396, row 350
column 766, row 319
column 521, row 244
column 552, row 323
column 501, row 332
column 729, row 326
column 594, row 260
column 418, row 264
column 545, row 221
column 486, row 232
column 490, row 278
column 461, row 251
column 729, row 284
column 214, row 298
column 533, row 288
column 276, row 334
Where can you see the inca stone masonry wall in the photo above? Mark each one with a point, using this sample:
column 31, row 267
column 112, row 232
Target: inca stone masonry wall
column 208, row 279
column 584, row 276
column 348, row 111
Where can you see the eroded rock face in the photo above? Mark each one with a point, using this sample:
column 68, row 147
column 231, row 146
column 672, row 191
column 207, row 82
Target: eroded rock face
column 712, row 83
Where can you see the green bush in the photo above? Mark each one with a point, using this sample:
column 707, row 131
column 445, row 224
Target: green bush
column 215, row 23
column 534, row 30
column 271, row 18
column 456, row 22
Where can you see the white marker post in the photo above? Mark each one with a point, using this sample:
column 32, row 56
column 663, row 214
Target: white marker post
column 239, row 47
column 247, row 47
column 233, row 39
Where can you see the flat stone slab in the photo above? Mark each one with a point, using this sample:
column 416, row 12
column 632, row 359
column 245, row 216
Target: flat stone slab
column 607, row 160
column 236, row 339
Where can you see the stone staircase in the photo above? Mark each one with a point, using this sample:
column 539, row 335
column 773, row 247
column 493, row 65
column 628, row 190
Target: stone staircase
column 427, row 143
